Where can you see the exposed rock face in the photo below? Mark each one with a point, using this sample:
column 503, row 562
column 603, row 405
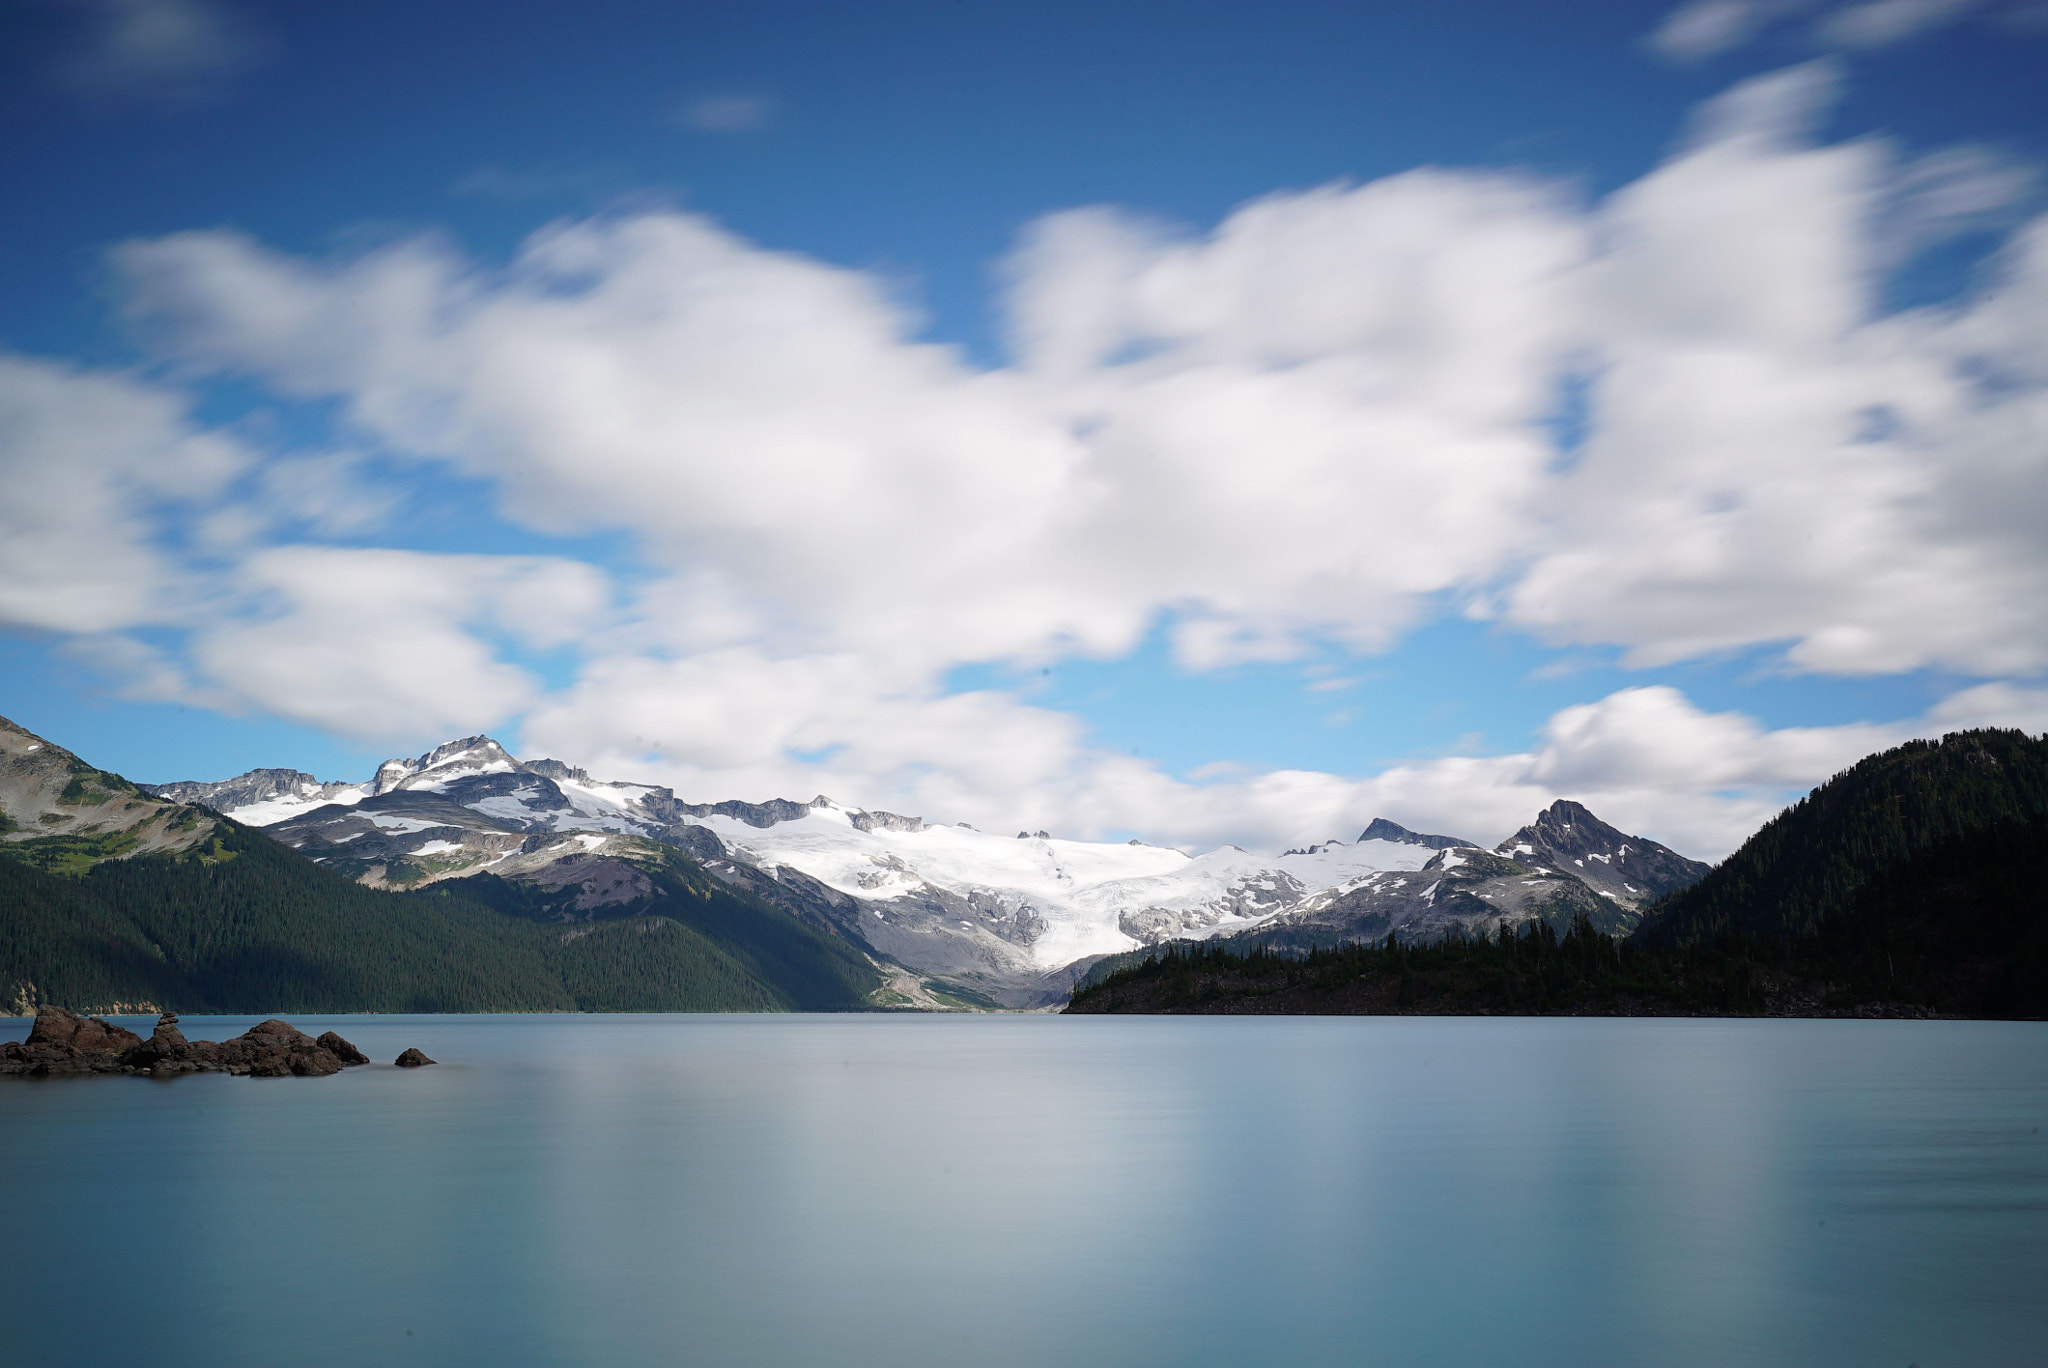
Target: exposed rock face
column 1384, row 830
column 1626, row 870
column 247, row 790
column 411, row 1059
column 341, row 1049
column 63, row 1042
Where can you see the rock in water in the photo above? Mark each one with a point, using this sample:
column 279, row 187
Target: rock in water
column 341, row 1049
column 69, row 1030
column 411, row 1059
column 63, row 1042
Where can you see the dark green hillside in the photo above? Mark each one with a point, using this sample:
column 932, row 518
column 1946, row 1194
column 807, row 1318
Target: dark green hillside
column 1533, row 973
column 59, row 942
column 809, row 971
column 1807, row 864
column 245, row 925
column 1962, row 927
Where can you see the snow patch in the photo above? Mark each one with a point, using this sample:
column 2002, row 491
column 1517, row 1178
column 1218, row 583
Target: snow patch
column 385, row 821
column 1079, row 890
column 271, row 811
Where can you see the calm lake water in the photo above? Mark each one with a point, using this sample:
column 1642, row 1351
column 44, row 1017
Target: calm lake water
column 1040, row 1190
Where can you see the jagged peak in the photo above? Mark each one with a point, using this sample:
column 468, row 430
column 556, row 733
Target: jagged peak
column 482, row 751
column 887, row 821
column 1565, row 812
column 1383, row 830
column 561, row 769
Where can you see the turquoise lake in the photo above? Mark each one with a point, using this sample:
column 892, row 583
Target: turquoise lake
column 1010, row 1190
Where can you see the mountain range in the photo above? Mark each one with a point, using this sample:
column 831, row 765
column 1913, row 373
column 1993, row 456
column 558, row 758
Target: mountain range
column 466, row 879
column 1909, row 885
column 1009, row 921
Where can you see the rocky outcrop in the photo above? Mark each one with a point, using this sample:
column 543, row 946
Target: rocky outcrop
column 1384, row 830
column 63, row 1042
column 411, row 1059
column 341, row 1049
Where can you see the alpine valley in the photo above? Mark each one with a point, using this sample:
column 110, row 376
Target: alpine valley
column 914, row 913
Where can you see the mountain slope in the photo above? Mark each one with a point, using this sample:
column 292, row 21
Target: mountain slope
column 59, row 813
column 110, row 896
column 1809, row 863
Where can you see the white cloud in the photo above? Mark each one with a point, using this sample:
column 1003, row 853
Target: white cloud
column 1707, row 28
column 139, row 49
column 394, row 644
column 1770, row 459
column 92, row 467
column 1947, row 193
column 1329, row 414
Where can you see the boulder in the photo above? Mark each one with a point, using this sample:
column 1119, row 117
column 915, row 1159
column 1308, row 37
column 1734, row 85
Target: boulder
column 411, row 1059
column 164, row 1044
column 341, row 1049
column 63, row 1042
column 55, row 1026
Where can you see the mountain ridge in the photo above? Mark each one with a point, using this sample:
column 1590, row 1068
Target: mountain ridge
column 1013, row 921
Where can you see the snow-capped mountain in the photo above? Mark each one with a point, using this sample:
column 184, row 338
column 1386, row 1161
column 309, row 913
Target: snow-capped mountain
column 1626, row 870
column 262, row 796
column 1013, row 919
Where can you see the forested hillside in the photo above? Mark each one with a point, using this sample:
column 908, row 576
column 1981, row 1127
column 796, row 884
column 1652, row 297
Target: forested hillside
column 1807, row 864
column 245, row 925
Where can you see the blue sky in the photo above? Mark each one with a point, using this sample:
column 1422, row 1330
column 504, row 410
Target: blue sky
column 1203, row 422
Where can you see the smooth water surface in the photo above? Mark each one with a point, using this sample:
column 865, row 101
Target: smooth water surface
column 792, row 1190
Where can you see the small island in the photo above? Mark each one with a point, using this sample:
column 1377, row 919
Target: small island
column 62, row 1042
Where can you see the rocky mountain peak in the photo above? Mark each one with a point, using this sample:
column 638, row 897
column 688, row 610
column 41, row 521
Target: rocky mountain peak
column 1384, row 830
column 1622, row 868
column 1570, row 826
column 471, row 753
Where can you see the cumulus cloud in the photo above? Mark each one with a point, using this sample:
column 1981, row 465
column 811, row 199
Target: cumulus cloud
column 378, row 644
column 95, row 468
column 1305, row 422
column 1769, row 458
column 1310, row 423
